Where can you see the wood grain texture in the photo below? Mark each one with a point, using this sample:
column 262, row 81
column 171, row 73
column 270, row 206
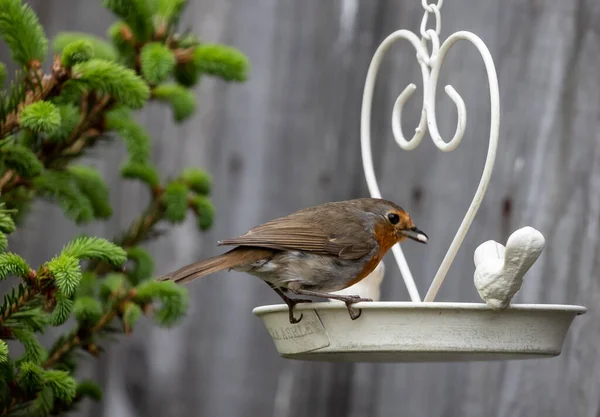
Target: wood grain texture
column 289, row 138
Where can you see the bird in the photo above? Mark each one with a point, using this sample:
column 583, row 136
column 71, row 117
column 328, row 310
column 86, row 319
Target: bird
column 314, row 251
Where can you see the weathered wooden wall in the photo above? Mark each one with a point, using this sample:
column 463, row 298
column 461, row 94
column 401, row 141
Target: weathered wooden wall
column 289, row 138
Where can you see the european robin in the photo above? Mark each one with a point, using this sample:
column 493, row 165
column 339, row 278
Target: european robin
column 314, row 251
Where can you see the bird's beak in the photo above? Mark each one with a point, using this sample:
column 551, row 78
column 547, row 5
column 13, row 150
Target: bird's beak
column 415, row 234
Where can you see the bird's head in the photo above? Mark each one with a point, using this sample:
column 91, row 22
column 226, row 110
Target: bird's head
column 394, row 222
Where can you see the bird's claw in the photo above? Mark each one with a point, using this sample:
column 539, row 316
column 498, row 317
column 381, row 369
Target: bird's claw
column 354, row 314
column 291, row 304
column 352, row 299
column 294, row 320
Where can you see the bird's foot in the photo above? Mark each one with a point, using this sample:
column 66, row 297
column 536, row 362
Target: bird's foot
column 291, row 302
column 352, row 299
column 347, row 299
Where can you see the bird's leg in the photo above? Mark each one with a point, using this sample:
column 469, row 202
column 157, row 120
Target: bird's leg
column 291, row 302
column 347, row 299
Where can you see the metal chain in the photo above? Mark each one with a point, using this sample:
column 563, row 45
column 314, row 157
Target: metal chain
column 430, row 35
column 435, row 9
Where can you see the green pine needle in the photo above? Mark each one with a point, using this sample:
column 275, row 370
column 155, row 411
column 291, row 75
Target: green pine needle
column 28, row 316
column 61, row 187
column 3, row 242
column 182, row 100
column 100, row 48
column 188, row 40
column 88, row 284
column 76, row 52
column 136, row 138
column 205, row 211
column 71, row 93
column 95, row 248
column 168, row 11
column 221, row 61
column 34, row 352
column 157, row 62
column 17, row 315
column 41, row 116
column 87, row 309
column 131, row 314
column 62, row 385
column 148, row 290
column 12, row 264
column 121, row 83
column 198, row 180
column 144, row 264
column 173, row 299
column 67, row 272
column 137, row 15
column 111, row 285
column 43, row 405
column 20, row 201
column 186, row 74
column 89, row 389
column 3, row 352
column 127, row 53
column 21, row 159
column 12, row 97
column 69, row 117
column 22, row 32
column 31, row 376
column 64, row 306
column 91, row 184
column 175, row 200
column 7, row 223
column 3, row 74
column 140, row 171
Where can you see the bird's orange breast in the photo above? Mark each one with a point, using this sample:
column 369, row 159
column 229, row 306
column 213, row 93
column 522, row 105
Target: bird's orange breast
column 386, row 238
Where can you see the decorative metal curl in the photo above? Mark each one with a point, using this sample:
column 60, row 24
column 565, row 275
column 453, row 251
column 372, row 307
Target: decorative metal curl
column 430, row 69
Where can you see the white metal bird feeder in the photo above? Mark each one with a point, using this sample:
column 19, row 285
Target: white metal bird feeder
column 424, row 330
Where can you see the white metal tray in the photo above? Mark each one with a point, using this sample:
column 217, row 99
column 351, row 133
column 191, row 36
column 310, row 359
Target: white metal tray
column 419, row 332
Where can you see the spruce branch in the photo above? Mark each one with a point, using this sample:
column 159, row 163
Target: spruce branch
column 181, row 99
column 21, row 30
column 156, row 62
column 3, row 74
column 83, row 336
column 136, row 13
column 14, row 302
column 100, row 48
column 41, row 116
column 142, row 227
column 49, row 118
column 109, row 77
column 49, row 84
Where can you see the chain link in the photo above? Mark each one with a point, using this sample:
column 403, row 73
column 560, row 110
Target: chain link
column 428, row 7
column 431, row 8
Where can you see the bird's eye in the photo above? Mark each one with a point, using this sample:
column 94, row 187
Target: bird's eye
column 393, row 218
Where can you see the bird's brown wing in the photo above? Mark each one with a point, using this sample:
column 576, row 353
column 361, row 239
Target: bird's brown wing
column 310, row 233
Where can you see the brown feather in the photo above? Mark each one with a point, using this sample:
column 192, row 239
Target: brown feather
column 311, row 230
column 228, row 260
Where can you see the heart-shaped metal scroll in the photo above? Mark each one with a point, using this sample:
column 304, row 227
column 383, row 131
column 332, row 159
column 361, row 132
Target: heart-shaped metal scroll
column 430, row 68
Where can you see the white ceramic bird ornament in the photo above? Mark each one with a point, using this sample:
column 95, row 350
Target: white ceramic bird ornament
column 499, row 270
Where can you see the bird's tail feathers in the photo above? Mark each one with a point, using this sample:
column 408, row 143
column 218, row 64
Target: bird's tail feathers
column 200, row 269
